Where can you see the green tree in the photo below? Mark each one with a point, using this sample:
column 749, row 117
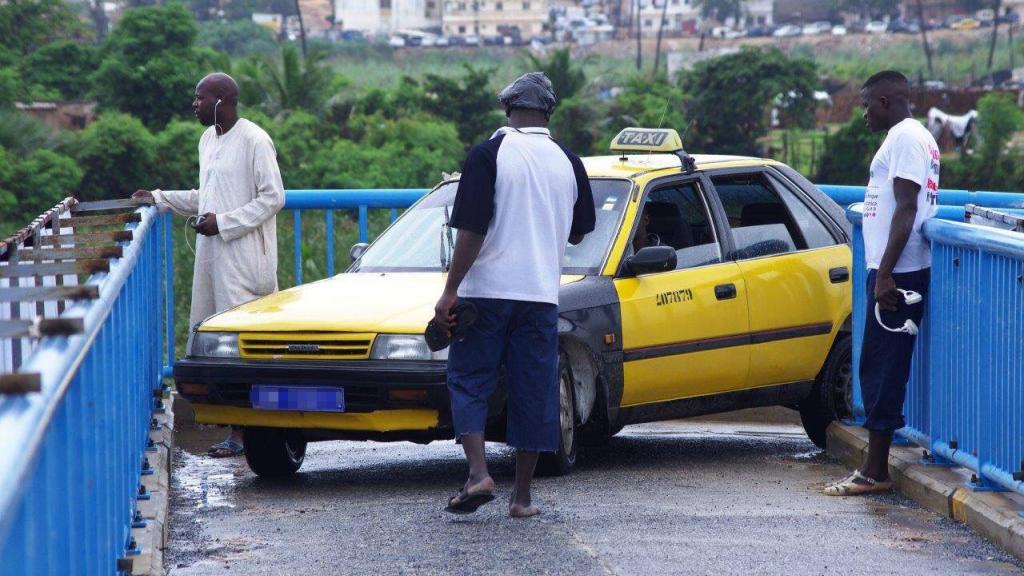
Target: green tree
column 150, row 66
column 847, row 154
column 721, row 9
column 42, row 180
column 177, row 148
column 61, row 66
column 993, row 166
column 408, row 152
column 572, row 125
column 22, row 134
column 26, row 25
column 118, row 155
column 238, row 38
column 567, row 76
column 646, row 102
column 730, row 97
column 464, row 102
column 290, row 82
column 8, row 201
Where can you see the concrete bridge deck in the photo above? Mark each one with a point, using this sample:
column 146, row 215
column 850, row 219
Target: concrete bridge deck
column 738, row 494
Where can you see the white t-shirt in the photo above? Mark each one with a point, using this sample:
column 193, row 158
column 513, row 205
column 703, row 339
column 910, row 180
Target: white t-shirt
column 526, row 194
column 908, row 152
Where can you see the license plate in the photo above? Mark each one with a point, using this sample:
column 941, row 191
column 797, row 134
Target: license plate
column 301, row 398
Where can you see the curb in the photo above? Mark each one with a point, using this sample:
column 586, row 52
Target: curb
column 941, row 489
column 152, row 539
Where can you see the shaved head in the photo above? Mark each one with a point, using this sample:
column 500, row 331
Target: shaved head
column 885, row 98
column 220, row 86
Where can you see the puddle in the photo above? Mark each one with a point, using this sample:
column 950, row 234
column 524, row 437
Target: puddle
column 205, row 481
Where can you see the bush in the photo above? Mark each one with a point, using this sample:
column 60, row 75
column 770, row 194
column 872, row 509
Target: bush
column 119, row 157
column 848, row 153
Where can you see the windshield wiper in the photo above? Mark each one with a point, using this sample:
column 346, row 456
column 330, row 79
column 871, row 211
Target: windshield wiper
column 447, row 243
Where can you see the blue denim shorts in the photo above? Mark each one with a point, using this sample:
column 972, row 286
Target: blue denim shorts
column 522, row 336
column 885, row 357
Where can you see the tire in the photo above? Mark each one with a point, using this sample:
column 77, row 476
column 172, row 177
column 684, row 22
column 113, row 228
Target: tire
column 563, row 461
column 274, row 452
column 832, row 396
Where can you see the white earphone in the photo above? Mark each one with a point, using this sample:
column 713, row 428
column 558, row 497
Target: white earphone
column 909, row 327
column 215, row 104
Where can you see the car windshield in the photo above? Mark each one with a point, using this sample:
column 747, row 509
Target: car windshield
column 420, row 242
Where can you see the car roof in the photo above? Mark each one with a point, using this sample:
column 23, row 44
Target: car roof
column 635, row 164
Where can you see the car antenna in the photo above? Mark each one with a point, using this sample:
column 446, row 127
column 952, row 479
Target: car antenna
column 687, row 161
column 661, row 123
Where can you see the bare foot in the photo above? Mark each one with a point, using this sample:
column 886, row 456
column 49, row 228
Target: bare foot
column 520, row 511
column 483, row 486
column 521, row 508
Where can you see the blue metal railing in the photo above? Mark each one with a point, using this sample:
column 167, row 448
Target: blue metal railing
column 71, row 454
column 965, row 398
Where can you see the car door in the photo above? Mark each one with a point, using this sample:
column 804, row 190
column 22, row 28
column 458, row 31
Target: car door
column 683, row 330
column 796, row 271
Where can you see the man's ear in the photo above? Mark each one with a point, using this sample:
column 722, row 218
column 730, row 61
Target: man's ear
column 884, row 100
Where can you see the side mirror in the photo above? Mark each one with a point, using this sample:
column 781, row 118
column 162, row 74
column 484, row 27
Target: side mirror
column 652, row 259
column 357, row 251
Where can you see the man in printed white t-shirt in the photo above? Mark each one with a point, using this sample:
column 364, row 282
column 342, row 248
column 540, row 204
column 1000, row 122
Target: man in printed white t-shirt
column 902, row 193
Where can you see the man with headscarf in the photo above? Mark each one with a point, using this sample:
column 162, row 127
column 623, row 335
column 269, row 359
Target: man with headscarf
column 240, row 193
column 521, row 197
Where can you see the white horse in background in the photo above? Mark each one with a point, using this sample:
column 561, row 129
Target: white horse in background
column 961, row 127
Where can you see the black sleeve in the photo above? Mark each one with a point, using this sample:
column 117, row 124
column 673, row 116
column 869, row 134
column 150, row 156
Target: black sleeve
column 474, row 199
column 583, row 212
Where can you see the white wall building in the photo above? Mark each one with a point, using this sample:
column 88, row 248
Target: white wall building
column 488, row 18
column 388, row 16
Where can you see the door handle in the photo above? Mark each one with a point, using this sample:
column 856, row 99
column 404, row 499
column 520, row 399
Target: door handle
column 725, row 291
column 839, row 275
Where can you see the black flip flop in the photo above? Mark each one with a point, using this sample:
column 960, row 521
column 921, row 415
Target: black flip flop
column 470, row 504
column 465, row 315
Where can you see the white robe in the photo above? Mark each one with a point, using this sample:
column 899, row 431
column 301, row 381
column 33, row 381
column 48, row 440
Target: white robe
column 240, row 182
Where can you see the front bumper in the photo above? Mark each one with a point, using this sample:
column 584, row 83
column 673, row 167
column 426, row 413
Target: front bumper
column 366, row 383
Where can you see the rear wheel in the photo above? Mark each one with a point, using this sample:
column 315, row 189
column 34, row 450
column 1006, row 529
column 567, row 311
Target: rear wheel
column 832, row 396
column 273, row 452
column 564, row 460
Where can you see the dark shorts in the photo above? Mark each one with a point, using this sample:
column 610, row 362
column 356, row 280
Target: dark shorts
column 885, row 356
column 524, row 337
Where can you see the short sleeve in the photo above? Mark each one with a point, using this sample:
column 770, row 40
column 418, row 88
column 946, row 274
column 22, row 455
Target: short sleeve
column 474, row 199
column 910, row 159
column 583, row 212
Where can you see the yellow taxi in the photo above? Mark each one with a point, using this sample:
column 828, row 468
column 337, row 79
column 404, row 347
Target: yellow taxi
column 711, row 283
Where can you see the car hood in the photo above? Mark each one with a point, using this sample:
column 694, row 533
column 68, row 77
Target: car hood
column 388, row 302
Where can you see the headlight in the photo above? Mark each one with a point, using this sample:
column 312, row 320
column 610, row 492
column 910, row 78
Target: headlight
column 404, row 347
column 215, row 345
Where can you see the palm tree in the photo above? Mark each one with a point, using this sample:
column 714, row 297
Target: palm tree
column 288, row 83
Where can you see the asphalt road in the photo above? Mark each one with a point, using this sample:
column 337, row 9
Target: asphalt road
column 683, row 497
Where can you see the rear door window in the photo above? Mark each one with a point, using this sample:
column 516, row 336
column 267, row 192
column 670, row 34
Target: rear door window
column 761, row 223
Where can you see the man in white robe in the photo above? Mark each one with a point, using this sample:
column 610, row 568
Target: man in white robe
column 240, row 193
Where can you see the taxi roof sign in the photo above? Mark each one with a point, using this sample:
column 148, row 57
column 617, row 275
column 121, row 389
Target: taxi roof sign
column 647, row 140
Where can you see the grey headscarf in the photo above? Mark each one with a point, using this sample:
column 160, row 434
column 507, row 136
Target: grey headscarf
column 532, row 91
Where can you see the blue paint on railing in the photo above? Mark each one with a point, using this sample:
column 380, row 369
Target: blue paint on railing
column 965, row 398
column 846, row 195
column 72, row 453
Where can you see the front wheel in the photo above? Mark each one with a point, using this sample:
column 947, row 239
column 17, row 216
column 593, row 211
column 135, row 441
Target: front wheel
column 563, row 461
column 274, row 452
column 832, row 396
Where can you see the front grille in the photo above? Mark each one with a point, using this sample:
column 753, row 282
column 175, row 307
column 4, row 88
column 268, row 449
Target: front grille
column 305, row 346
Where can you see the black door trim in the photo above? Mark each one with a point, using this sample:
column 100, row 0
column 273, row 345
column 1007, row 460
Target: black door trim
column 706, row 344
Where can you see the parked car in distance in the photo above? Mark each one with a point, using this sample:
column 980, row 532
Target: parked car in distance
column 396, row 42
column 787, row 31
column 726, row 33
column 839, row 30
column 472, row 40
column 876, row 27
column 816, row 28
column 966, row 24
column 760, row 31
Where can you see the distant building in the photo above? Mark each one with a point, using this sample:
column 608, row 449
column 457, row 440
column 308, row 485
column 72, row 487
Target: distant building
column 70, row 115
column 800, row 11
column 683, row 17
column 271, row 21
column 374, row 17
column 489, row 18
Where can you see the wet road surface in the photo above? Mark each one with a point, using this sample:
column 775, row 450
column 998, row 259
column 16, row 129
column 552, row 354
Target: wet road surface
column 683, row 497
